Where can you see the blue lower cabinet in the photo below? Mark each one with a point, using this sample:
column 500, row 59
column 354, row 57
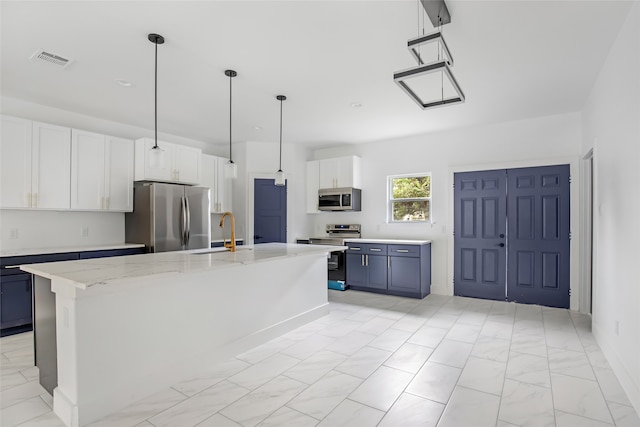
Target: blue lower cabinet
column 356, row 271
column 220, row 244
column 111, row 252
column 15, row 301
column 403, row 270
column 16, row 285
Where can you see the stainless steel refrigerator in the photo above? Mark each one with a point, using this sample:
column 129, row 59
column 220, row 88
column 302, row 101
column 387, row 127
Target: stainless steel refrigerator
column 169, row 217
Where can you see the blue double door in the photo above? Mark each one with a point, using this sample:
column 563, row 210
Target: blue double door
column 511, row 235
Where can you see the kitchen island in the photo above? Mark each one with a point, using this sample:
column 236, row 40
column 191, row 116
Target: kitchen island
column 126, row 327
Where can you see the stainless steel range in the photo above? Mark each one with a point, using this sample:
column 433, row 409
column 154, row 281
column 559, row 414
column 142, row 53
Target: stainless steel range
column 336, row 235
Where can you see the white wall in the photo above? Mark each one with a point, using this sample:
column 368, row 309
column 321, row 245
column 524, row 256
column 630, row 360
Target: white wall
column 260, row 160
column 534, row 142
column 50, row 229
column 46, row 229
column 611, row 127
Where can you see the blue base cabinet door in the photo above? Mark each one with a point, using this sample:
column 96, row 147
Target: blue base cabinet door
column 356, row 271
column 376, row 271
column 404, row 274
column 15, row 301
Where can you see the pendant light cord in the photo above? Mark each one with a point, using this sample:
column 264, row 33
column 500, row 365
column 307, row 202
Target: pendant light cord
column 156, row 99
column 230, row 115
column 280, row 169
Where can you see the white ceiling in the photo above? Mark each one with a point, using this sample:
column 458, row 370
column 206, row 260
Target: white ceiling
column 513, row 59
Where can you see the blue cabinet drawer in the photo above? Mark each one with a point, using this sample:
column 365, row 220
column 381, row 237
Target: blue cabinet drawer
column 404, row 250
column 366, row 248
column 33, row 259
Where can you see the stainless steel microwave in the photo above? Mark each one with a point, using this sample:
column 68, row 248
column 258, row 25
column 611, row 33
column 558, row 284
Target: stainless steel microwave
column 339, row 199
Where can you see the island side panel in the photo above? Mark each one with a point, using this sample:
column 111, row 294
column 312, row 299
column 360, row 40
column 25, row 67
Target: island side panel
column 135, row 338
column 44, row 333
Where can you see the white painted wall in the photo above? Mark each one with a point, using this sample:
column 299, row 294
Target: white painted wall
column 46, row 229
column 260, row 160
column 533, row 142
column 611, row 127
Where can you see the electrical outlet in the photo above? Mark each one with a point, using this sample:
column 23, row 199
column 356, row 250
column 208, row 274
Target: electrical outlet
column 84, row 232
column 13, row 233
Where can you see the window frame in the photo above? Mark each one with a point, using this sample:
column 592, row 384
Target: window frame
column 391, row 200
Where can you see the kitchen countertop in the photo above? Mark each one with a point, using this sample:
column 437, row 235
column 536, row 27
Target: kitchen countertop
column 104, row 271
column 389, row 241
column 222, row 240
column 67, row 249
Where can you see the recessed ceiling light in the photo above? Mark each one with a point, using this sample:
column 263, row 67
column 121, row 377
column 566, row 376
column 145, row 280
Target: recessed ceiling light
column 356, row 105
column 124, row 83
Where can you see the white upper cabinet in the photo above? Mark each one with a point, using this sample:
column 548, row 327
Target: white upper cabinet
column 35, row 165
column 213, row 177
column 340, row 172
column 101, row 172
column 181, row 164
column 15, row 162
column 119, row 174
column 313, row 185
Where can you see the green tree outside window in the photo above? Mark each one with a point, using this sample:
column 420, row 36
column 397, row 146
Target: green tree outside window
column 410, row 198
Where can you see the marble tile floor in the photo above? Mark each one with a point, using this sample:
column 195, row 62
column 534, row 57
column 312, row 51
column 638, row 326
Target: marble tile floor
column 378, row 360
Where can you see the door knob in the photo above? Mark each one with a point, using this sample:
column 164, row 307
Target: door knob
column 501, row 245
column 255, row 236
column 502, row 236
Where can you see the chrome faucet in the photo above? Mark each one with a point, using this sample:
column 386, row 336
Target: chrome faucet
column 232, row 245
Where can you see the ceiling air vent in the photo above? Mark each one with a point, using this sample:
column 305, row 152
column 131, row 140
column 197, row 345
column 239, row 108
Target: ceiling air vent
column 50, row 58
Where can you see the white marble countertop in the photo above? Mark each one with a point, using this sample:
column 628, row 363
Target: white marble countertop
column 67, row 249
column 389, row 241
column 104, row 271
column 238, row 239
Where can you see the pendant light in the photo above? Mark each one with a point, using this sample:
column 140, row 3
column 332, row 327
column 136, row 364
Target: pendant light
column 156, row 154
column 280, row 181
column 231, row 169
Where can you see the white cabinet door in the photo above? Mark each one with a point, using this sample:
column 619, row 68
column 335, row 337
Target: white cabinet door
column 313, row 185
column 87, row 170
column 186, row 164
column 51, row 167
column 328, row 173
column 209, row 178
column 118, row 174
column 225, row 190
column 348, row 172
column 15, row 163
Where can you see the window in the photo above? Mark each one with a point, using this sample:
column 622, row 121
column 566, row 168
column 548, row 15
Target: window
column 409, row 198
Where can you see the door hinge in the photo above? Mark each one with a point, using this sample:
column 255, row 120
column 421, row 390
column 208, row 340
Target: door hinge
column 569, row 179
column 569, row 291
column 569, row 235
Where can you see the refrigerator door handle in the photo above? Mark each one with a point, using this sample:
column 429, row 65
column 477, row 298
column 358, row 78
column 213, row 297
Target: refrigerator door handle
column 183, row 221
column 188, row 228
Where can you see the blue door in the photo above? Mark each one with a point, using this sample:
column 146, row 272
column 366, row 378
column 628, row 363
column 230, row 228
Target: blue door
column 538, row 238
column 479, row 234
column 269, row 212
column 511, row 235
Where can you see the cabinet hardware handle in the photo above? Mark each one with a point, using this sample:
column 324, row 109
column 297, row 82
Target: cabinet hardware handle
column 367, row 260
column 354, row 249
column 375, row 250
column 403, row 250
column 11, row 266
column 362, row 260
column 388, row 262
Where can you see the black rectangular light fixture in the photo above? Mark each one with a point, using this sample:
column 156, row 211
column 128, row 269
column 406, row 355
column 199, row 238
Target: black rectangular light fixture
column 409, row 80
